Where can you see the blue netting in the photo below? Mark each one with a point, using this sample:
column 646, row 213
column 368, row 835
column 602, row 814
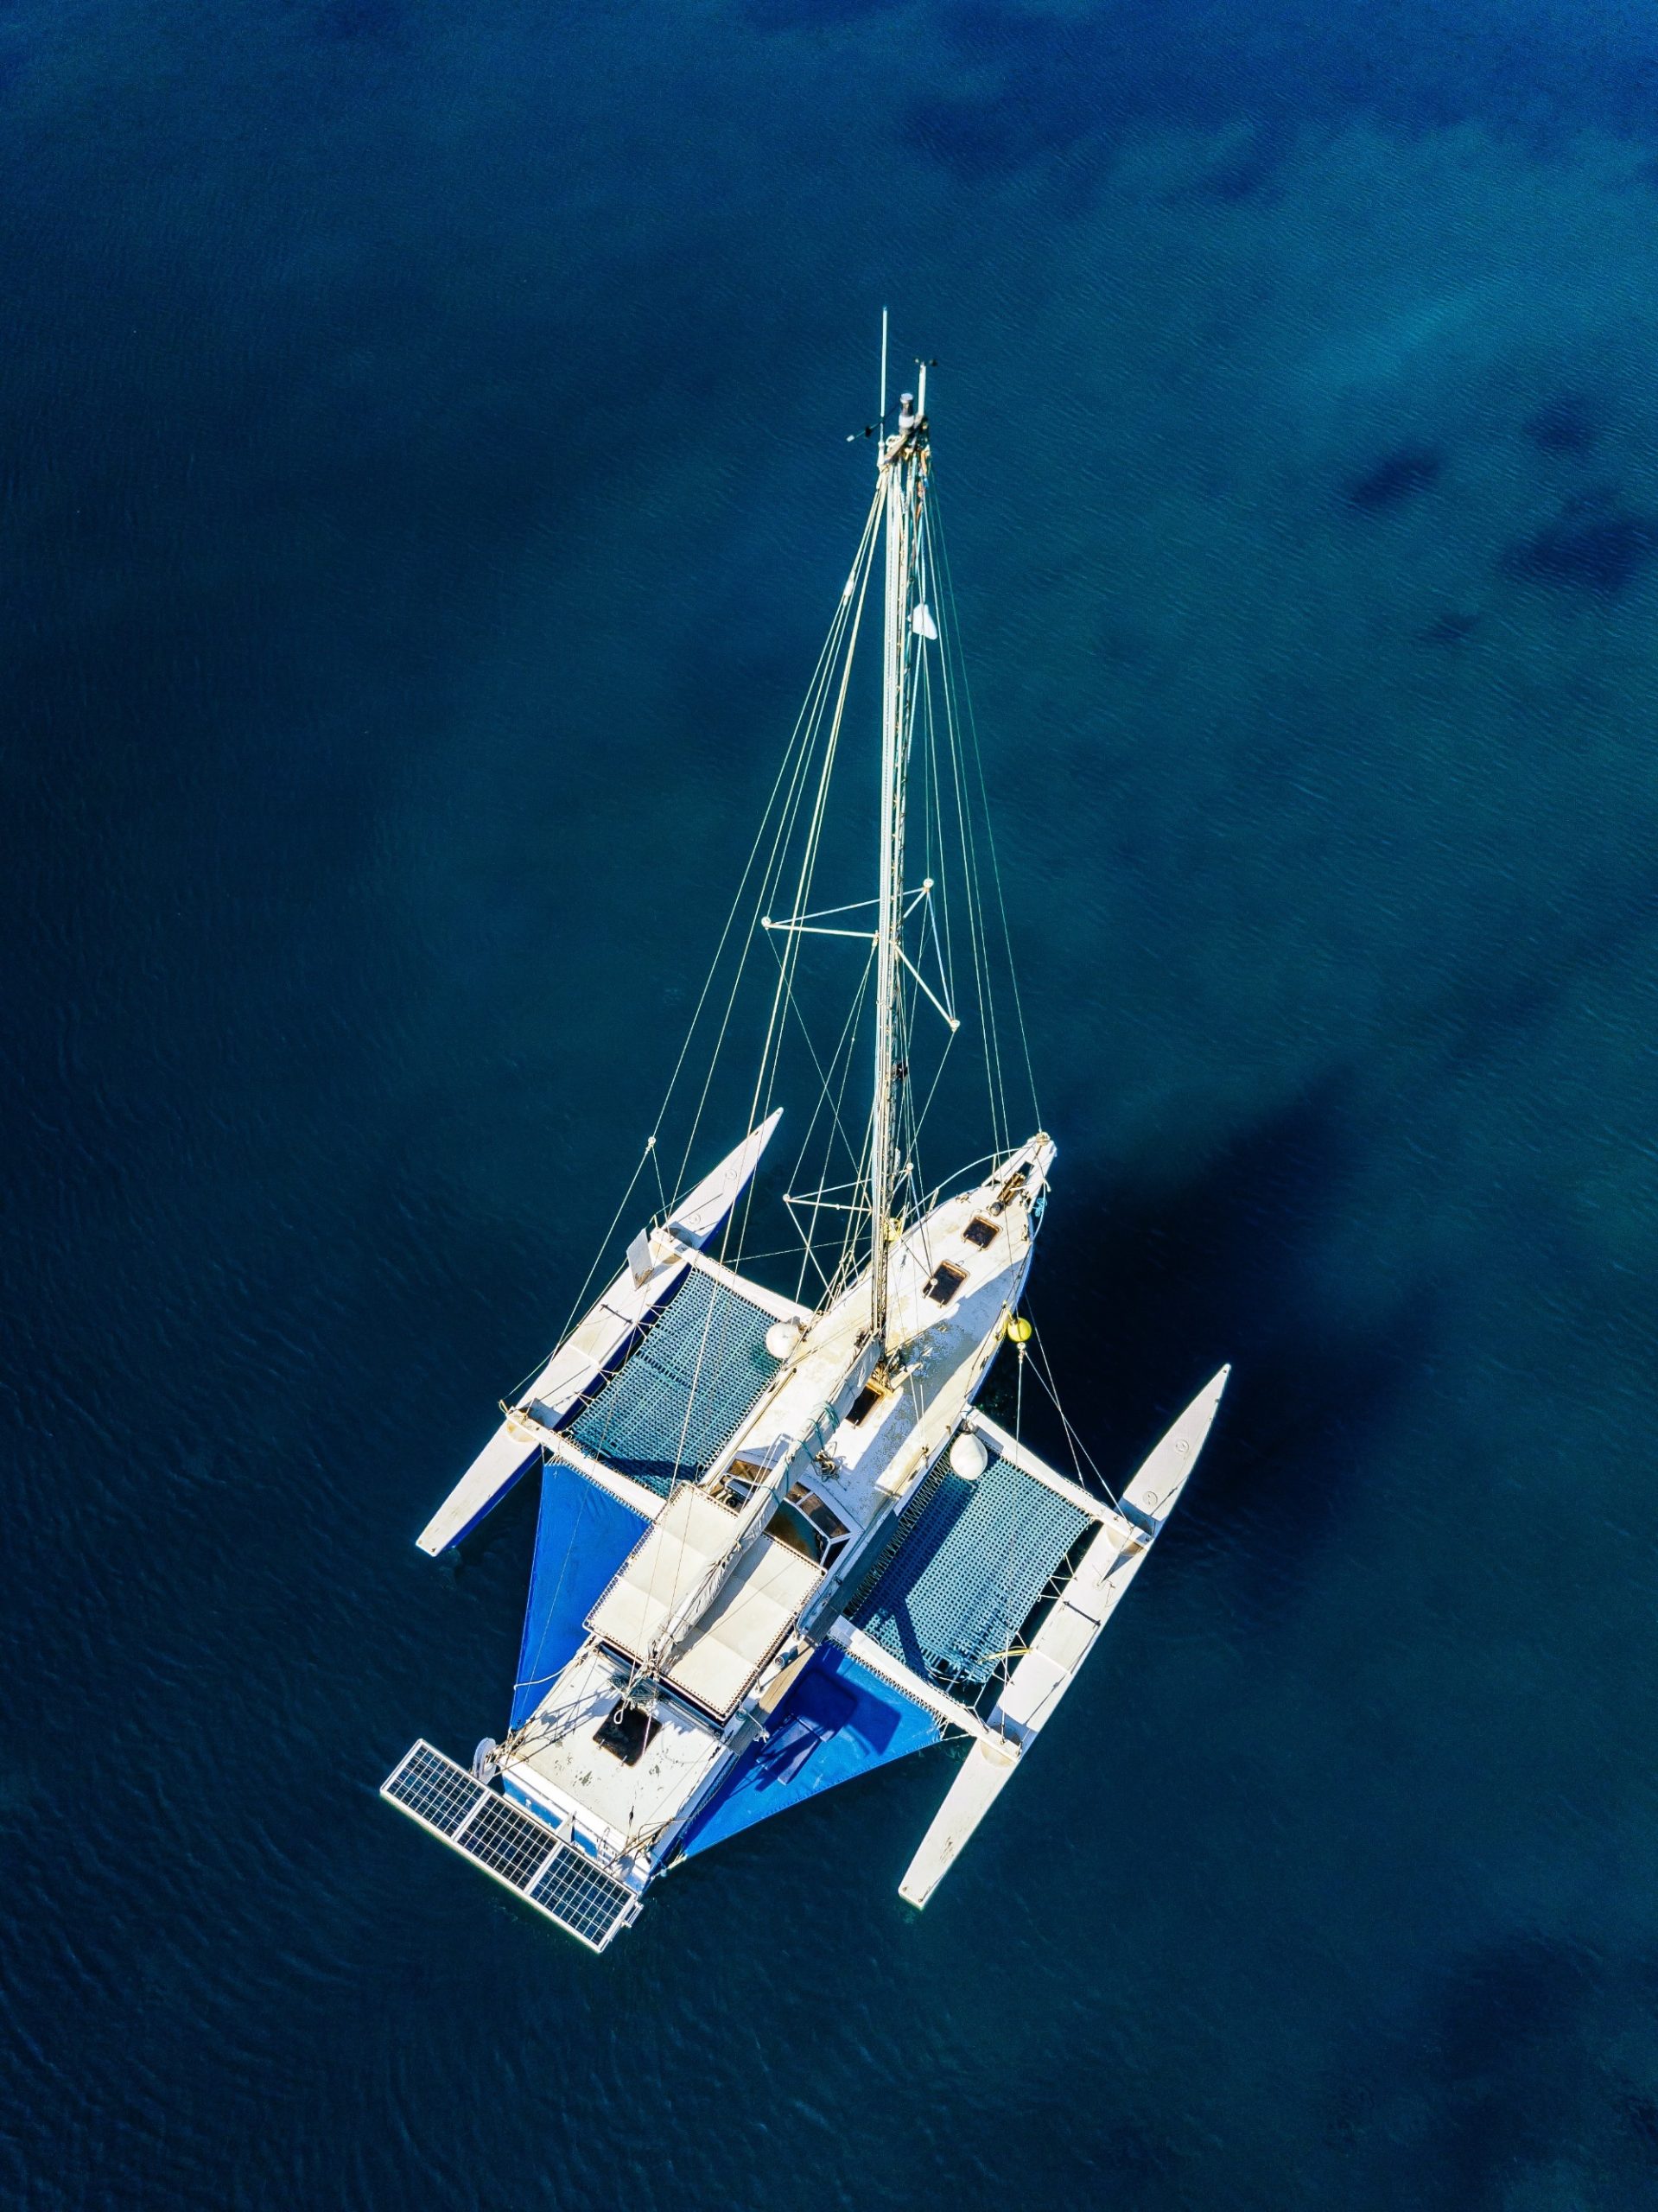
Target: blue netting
column 710, row 1336
column 966, row 1577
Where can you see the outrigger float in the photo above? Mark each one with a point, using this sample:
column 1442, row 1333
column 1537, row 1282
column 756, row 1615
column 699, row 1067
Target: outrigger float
column 779, row 1543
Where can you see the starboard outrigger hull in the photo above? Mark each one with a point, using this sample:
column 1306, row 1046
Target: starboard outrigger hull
column 1083, row 1604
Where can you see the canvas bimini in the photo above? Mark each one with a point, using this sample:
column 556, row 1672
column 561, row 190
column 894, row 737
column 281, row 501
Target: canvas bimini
column 779, row 1543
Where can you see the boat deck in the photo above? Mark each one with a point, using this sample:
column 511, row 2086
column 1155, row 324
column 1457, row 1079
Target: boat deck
column 563, row 1768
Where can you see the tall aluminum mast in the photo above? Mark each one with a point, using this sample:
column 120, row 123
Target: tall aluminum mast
column 903, row 464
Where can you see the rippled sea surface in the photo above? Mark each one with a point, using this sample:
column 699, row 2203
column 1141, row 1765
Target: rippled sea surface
column 423, row 433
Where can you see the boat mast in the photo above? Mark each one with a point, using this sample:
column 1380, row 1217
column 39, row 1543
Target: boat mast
column 903, row 464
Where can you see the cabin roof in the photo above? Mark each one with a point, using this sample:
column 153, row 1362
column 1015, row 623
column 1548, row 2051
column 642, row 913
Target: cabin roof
column 742, row 1628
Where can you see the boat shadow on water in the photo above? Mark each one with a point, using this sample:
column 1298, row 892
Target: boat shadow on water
column 1137, row 1283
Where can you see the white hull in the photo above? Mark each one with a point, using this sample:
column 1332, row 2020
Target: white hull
column 714, row 1607
column 1067, row 1634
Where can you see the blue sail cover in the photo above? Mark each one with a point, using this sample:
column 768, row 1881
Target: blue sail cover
column 583, row 1537
column 838, row 1721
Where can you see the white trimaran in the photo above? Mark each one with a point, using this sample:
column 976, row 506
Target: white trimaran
column 778, row 1544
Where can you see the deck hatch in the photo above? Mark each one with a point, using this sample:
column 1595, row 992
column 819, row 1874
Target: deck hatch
column 676, row 1400
column 864, row 1404
column 944, row 1282
column 509, row 1843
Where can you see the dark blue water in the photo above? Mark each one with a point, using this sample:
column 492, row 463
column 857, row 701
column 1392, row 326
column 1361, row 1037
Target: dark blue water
column 422, row 439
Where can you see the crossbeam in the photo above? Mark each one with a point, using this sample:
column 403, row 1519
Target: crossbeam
column 621, row 1487
column 769, row 1301
column 1018, row 1455
column 879, row 1661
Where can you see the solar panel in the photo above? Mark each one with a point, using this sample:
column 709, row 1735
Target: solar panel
column 434, row 1788
column 510, row 1844
column 580, row 1898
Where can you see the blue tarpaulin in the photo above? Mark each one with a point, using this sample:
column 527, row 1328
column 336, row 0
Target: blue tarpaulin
column 838, row 1721
column 583, row 1537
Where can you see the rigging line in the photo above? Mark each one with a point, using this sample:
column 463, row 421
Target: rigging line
column 825, row 1077
column 822, row 913
column 783, row 818
column 779, row 844
column 993, row 1056
column 937, row 872
column 979, row 950
column 781, row 835
column 849, row 614
column 857, row 1212
column 824, row 1190
column 965, row 827
column 766, row 1080
column 928, row 992
column 1079, row 1450
column 845, row 1043
column 849, row 1229
column 932, row 1088
column 857, row 1222
column 934, row 869
column 978, row 756
column 803, row 719
column 798, row 750
column 598, row 1257
column 807, row 1258
column 920, row 794
column 978, row 937
column 809, row 857
column 944, row 947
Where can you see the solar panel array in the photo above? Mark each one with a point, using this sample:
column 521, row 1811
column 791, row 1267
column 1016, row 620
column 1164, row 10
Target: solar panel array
column 672, row 1405
column 511, row 1845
